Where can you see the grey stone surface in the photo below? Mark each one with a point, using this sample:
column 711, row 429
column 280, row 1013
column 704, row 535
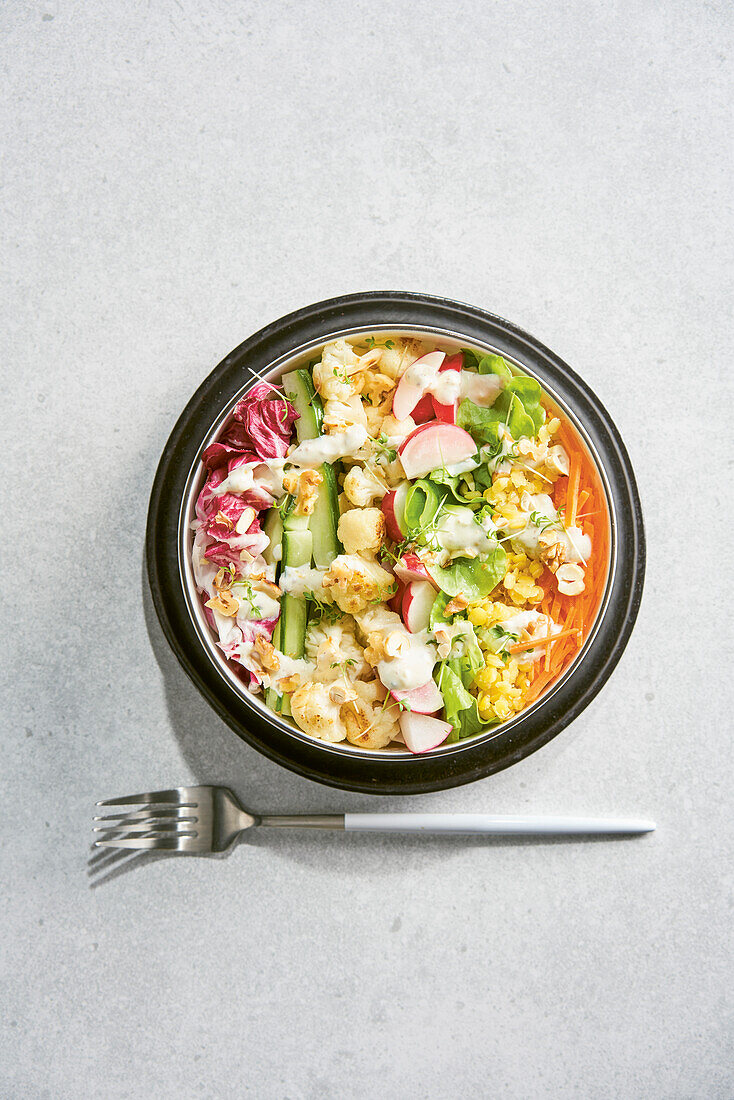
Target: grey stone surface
column 175, row 176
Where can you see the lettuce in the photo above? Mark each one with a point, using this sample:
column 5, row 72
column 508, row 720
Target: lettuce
column 518, row 406
column 471, row 577
column 460, row 707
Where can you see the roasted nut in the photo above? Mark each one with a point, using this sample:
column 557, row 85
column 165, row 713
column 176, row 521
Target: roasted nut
column 266, row 652
column 223, row 521
column 459, row 603
column 570, row 579
column 225, row 603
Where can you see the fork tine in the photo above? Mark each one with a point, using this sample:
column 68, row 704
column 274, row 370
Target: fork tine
column 176, row 795
column 142, row 828
column 170, row 814
column 144, row 843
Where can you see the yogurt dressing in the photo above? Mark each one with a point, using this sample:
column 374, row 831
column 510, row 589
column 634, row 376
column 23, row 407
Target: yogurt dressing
column 313, row 453
column 297, row 580
column 577, row 544
column 255, row 475
column 413, row 666
column 458, row 532
column 450, row 386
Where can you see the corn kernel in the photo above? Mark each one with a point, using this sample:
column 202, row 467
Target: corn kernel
column 478, row 616
column 554, row 425
column 502, row 708
column 509, row 581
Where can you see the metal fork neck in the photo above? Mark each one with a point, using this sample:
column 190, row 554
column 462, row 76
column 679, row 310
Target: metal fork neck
column 309, row 821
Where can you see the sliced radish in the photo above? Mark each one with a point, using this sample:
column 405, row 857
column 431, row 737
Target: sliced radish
column 411, row 568
column 421, row 733
column 447, row 413
column 433, row 445
column 415, row 383
column 418, row 601
column 424, row 410
column 395, row 603
column 393, row 507
column 426, row 699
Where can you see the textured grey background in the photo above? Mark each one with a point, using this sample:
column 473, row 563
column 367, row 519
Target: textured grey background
column 176, row 175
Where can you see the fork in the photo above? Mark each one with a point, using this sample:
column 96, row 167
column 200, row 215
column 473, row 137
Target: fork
column 208, row 819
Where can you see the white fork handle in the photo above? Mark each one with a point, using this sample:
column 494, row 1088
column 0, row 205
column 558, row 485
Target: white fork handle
column 495, row 825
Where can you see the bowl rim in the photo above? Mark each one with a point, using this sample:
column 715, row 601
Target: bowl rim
column 195, row 481
column 291, row 337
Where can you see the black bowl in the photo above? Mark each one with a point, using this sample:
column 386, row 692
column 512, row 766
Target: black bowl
column 287, row 342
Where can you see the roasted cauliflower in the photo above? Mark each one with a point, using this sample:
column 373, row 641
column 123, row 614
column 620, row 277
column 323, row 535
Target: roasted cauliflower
column 362, row 530
column 356, row 582
column 363, row 486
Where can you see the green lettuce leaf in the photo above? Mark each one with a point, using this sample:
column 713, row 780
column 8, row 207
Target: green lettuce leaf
column 460, row 707
column 471, row 577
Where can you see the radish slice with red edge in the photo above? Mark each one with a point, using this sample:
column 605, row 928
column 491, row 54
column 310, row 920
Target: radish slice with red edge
column 393, row 509
column 411, row 568
column 422, row 733
column 447, row 413
column 435, row 444
column 418, row 601
column 426, row 699
column 410, row 388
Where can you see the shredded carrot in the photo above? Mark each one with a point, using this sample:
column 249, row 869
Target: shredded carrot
column 574, row 476
column 583, row 497
column 533, row 643
column 537, row 686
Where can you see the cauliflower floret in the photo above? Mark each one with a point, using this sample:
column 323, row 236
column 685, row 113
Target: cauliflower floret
column 375, row 415
column 336, row 651
column 356, row 582
column 361, row 487
column 362, row 529
column 331, row 375
column 340, row 414
column 396, row 360
column 316, row 708
column 374, row 385
column 398, row 430
column 368, row 723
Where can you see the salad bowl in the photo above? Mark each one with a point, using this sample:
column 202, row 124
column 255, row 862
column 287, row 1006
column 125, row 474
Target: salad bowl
column 285, row 349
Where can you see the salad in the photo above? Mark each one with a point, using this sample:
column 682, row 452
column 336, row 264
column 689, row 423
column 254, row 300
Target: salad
column 402, row 544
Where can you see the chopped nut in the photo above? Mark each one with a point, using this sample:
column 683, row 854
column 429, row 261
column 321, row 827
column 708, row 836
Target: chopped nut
column 396, row 644
column 459, row 603
column 557, row 461
column 224, row 521
column 289, row 683
column 340, row 693
column 266, row 652
column 268, row 588
column 304, row 485
column 570, row 579
column 224, row 578
column 444, row 642
column 225, row 603
column 244, row 523
column 551, row 549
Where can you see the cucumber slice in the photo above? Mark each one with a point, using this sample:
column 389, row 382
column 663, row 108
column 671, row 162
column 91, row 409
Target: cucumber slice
column 272, row 699
column 273, row 528
column 298, row 388
column 297, row 546
column 325, row 520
